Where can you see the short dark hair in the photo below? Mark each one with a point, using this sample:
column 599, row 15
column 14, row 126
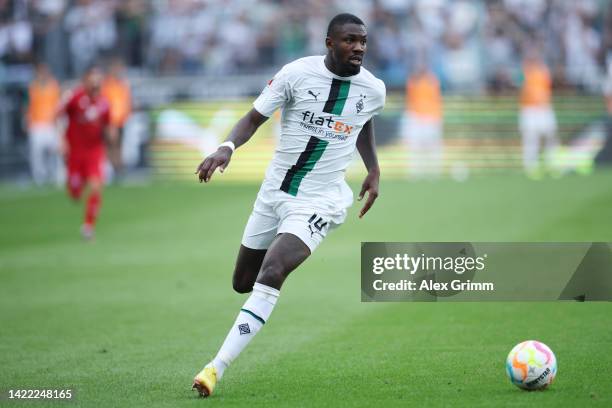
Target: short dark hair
column 342, row 19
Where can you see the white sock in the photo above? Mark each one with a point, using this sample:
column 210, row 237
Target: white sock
column 255, row 312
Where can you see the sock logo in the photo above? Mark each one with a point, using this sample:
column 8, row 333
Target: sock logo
column 244, row 328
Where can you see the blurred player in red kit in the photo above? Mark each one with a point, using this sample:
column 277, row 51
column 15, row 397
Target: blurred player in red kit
column 89, row 128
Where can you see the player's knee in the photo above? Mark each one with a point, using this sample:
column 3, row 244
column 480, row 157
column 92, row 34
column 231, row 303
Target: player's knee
column 95, row 186
column 75, row 187
column 272, row 273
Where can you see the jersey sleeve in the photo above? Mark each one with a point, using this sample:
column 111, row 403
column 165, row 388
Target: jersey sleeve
column 381, row 98
column 276, row 94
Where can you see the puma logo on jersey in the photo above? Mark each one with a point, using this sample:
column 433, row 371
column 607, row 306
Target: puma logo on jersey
column 336, row 125
column 315, row 96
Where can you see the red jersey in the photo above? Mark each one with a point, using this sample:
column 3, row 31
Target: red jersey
column 87, row 119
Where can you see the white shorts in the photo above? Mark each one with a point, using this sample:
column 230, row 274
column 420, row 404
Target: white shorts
column 537, row 120
column 277, row 213
column 422, row 131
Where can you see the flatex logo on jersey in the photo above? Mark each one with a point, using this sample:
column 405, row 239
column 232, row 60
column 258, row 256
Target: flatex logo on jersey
column 325, row 126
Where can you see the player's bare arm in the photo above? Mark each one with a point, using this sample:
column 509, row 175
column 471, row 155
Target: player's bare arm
column 366, row 146
column 111, row 134
column 239, row 135
column 60, row 116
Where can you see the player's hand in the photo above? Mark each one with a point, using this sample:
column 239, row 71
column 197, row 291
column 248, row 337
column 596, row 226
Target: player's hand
column 219, row 159
column 370, row 186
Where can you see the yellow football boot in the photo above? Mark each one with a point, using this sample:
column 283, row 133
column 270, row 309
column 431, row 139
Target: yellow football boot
column 205, row 381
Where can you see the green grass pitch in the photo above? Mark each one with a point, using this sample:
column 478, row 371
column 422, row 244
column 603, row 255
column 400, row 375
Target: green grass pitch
column 129, row 319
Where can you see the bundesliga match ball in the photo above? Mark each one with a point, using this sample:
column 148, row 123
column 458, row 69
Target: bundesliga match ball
column 531, row 365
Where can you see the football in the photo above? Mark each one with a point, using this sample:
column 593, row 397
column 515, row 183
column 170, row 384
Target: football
column 531, row 365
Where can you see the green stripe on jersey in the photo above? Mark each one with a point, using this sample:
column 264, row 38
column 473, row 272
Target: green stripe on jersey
column 306, row 162
column 338, row 92
column 342, row 95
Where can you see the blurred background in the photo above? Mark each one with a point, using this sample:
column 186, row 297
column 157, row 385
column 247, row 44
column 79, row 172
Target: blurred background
column 462, row 97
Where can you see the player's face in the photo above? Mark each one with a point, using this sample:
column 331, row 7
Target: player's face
column 93, row 81
column 347, row 47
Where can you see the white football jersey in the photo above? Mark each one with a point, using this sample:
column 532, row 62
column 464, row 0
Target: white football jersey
column 322, row 115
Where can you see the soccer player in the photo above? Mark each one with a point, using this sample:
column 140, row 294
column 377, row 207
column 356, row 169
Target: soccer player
column 88, row 129
column 327, row 103
column 423, row 123
column 537, row 119
column 116, row 89
column 44, row 94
